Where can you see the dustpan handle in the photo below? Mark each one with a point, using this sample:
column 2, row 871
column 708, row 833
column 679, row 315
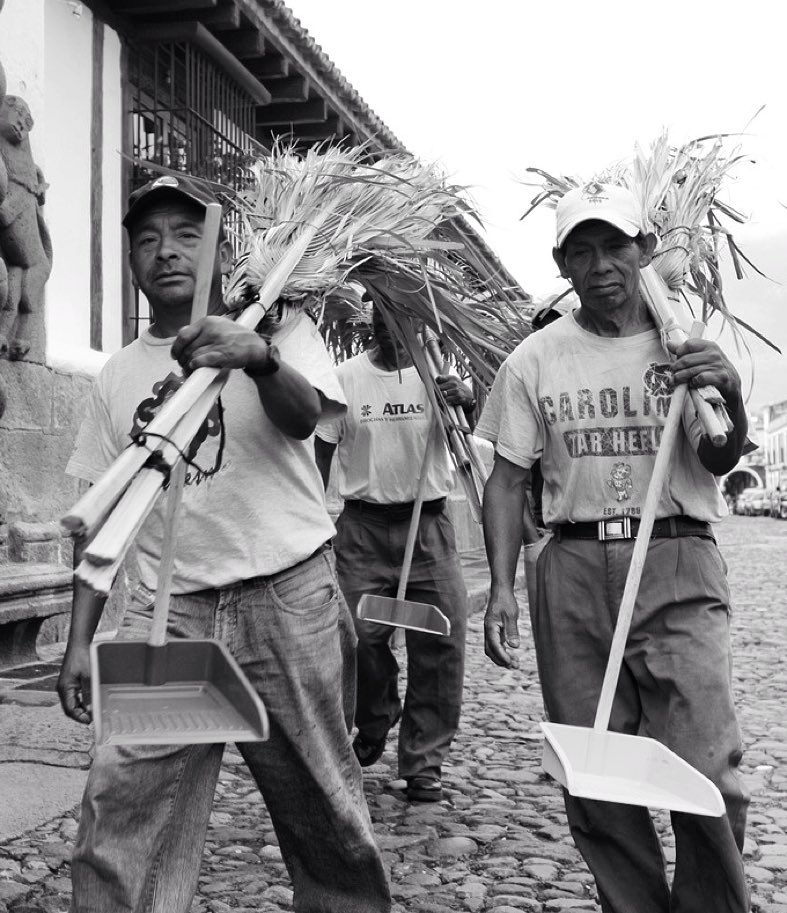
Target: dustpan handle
column 640, row 553
column 199, row 308
column 415, row 519
column 158, row 629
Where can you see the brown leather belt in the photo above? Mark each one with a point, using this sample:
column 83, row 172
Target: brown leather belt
column 626, row 528
column 394, row 511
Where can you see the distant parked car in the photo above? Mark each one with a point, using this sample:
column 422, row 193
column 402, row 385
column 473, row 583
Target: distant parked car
column 759, row 502
column 778, row 504
column 749, row 502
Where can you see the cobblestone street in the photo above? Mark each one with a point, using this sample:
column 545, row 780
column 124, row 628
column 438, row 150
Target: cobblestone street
column 498, row 841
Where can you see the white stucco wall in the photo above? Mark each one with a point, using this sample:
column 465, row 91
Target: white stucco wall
column 67, row 81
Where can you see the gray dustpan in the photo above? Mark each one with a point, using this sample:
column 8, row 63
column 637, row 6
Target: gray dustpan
column 158, row 692
column 397, row 611
column 184, row 692
column 631, row 769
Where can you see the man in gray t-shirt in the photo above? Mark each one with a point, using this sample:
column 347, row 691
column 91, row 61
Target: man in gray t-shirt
column 588, row 396
column 253, row 566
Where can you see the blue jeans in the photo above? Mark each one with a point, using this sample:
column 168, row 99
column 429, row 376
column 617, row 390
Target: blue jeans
column 675, row 686
column 145, row 810
column 369, row 553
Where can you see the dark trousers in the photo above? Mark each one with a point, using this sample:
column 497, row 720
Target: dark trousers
column 675, row 686
column 369, row 553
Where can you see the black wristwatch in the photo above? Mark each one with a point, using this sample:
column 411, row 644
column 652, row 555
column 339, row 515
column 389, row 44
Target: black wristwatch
column 271, row 365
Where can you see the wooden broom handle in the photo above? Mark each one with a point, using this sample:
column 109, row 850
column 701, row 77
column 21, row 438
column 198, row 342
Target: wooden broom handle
column 199, row 308
column 464, row 442
column 640, row 553
column 656, row 298
column 204, row 278
column 415, row 519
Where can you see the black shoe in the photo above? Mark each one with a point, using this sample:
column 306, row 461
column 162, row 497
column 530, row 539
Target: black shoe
column 369, row 751
column 424, row 789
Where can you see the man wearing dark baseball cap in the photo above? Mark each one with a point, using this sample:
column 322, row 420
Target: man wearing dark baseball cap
column 253, row 565
column 588, row 396
column 167, row 185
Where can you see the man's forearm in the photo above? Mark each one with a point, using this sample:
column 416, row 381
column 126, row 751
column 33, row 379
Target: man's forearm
column 323, row 455
column 290, row 401
column 721, row 460
column 503, row 512
column 87, row 608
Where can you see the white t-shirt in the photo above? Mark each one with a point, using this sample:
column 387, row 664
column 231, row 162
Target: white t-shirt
column 255, row 505
column 382, row 437
column 593, row 408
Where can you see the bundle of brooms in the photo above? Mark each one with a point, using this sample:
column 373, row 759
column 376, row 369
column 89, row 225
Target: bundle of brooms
column 678, row 188
column 311, row 224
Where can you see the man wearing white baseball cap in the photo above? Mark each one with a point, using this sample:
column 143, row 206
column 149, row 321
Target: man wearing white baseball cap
column 609, row 203
column 588, row 396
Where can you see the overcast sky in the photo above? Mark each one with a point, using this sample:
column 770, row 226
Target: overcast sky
column 491, row 88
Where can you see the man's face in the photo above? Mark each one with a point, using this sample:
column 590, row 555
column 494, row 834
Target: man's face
column 389, row 345
column 603, row 265
column 165, row 246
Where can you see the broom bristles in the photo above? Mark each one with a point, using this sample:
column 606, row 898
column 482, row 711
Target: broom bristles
column 678, row 188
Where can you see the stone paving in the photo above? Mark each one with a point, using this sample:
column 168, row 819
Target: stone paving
column 498, row 842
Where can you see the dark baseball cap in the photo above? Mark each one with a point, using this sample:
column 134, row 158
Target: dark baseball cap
column 167, row 185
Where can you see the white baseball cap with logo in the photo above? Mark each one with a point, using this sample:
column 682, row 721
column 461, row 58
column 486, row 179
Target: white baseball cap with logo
column 603, row 202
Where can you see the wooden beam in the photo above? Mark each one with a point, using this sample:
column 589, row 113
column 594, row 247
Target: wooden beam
column 271, row 66
column 219, row 18
column 290, row 89
column 333, row 128
column 307, row 112
column 245, row 43
column 97, row 188
column 142, row 7
column 223, row 17
column 197, row 34
column 304, row 134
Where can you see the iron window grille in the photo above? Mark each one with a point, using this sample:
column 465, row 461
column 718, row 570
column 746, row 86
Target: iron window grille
column 186, row 114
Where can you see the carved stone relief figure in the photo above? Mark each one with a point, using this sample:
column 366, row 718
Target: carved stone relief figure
column 25, row 246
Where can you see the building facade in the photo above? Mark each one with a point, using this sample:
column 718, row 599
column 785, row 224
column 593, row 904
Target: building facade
column 116, row 89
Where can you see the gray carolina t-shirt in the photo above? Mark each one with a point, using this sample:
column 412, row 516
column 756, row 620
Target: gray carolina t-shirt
column 593, row 410
column 253, row 502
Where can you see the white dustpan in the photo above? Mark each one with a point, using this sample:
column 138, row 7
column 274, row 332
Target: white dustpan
column 631, row 769
column 609, row 766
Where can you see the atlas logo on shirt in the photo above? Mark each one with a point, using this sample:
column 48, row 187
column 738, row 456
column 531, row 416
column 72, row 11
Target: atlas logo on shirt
column 392, row 410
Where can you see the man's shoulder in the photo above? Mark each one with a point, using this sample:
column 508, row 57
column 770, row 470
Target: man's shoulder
column 125, row 359
column 350, row 367
column 540, row 344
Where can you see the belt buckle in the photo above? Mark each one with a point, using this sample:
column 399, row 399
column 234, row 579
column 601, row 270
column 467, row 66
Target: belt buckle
column 614, row 528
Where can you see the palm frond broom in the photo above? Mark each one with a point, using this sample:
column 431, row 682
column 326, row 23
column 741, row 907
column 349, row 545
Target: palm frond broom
column 311, row 224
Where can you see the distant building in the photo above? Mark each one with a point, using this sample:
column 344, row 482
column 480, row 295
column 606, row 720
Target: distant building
column 774, row 418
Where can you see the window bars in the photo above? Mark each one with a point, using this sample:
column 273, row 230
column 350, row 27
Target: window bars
column 185, row 114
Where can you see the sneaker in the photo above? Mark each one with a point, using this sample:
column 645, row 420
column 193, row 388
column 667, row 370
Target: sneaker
column 424, row 789
column 369, row 751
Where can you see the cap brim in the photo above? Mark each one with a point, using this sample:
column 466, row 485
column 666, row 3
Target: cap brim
column 622, row 224
column 141, row 204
